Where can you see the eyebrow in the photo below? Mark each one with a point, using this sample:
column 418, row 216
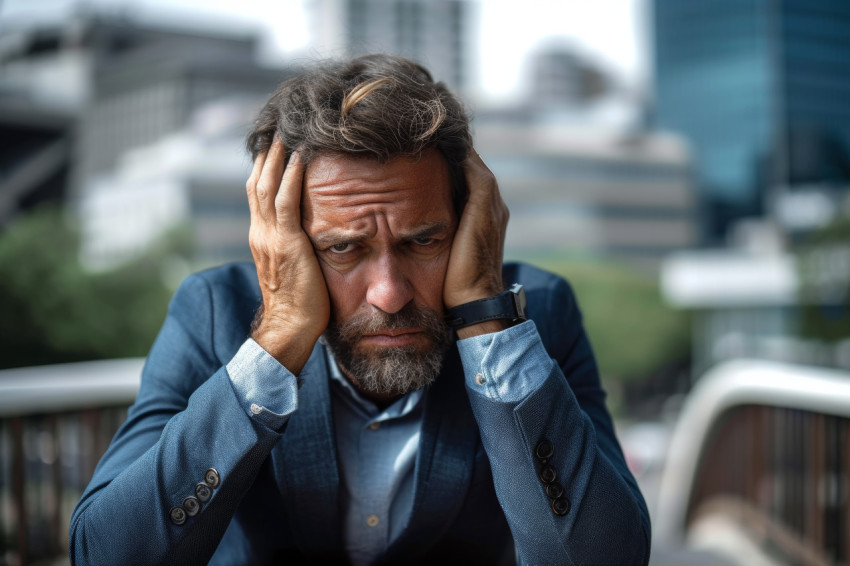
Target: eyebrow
column 334, row 236
column 425, row 231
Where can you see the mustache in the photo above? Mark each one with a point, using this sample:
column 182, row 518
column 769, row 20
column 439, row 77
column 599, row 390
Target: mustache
column 410, row 316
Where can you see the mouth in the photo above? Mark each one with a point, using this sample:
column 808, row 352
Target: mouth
column 393, row 337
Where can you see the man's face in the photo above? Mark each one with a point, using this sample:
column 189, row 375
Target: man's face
column 383, row 234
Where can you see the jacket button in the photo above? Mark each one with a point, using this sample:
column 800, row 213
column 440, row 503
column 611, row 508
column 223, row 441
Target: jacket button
column 554, row 490
column 178, row 515
column 203, row 492
column 548, row 475
column 191, row 505
column 211, row 478
column 544, row 450
column 560, row 506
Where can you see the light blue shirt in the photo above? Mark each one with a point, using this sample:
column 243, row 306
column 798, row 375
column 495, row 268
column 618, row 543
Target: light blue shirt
column 377, row 449
column 377, row 452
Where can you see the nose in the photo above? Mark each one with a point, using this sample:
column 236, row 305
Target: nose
column 389, row 289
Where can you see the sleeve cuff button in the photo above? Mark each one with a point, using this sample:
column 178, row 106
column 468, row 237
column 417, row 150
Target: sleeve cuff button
column 203, row 492
column 191, row 505
column 554, row 490
column 211, row 478
column 548, row 475
column 177, row 515
column 560, row 506
column 544, row 450
column 480, row 379
column 256, row 409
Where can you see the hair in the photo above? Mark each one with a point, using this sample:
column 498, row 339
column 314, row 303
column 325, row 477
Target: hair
column 376, row 106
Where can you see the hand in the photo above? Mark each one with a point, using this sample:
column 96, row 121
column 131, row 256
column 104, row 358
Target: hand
column 296, row 308
column 475, row 263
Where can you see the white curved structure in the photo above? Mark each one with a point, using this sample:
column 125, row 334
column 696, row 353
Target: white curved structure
column 62, row 387
column 731, row 384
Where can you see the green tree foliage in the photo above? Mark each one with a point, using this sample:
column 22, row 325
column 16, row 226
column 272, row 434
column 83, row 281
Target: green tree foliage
column 824, row 268
column 52, row 310
column 633, row 332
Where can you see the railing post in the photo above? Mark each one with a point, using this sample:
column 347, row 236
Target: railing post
column 18, row 488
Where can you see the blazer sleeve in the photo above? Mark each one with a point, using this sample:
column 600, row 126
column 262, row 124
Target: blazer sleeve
column 189, row 425
column 559, row 473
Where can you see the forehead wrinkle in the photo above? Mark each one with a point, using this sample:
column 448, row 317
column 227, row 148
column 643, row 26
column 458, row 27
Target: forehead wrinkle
column 335, row 235
column 349, row 229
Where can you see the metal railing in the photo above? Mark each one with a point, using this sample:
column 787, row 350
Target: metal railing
column 759, row 465
column 55, row 423
column 762, row 448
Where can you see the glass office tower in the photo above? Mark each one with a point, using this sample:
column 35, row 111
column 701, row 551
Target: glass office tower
column 760, row 88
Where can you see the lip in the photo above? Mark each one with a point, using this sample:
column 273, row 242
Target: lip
column 396, row 337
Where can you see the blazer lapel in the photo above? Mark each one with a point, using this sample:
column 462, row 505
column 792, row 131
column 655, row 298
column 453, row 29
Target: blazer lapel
column 305, row 465
column 444, row 463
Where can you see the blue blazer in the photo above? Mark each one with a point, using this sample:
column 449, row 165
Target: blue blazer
column 477, row 493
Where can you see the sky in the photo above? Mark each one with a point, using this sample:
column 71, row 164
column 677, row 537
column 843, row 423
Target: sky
column 609, row 32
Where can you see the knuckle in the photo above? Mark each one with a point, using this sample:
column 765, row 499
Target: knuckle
column 262, row 189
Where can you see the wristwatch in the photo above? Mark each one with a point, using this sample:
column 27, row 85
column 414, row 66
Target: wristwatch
column 507, row 305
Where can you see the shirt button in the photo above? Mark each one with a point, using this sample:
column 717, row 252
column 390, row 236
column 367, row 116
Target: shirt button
column 372, row 520
column 256, row 409
column 375, row 426
column 178, row 515
column 203, row 492
column 480, row 379
column 211, row 478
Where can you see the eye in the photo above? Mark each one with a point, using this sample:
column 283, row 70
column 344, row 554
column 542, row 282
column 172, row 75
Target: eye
column 425, row 241
column 341, row 248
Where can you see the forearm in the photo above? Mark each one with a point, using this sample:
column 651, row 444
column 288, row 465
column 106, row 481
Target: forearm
column 520, row 398
column 124, row 516
column 229, row 423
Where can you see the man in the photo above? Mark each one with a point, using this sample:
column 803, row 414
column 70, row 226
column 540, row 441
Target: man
column 316, row 406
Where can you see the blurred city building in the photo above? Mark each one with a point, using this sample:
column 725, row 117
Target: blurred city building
column 560, row 77
column 760, row 89
column 89, row 95
column 35, row 154
column 435, row 33
column 589, row 193
column 581, row 178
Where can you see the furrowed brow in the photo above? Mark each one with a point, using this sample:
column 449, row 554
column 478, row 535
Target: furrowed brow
column 332, row 237
column 426, row 231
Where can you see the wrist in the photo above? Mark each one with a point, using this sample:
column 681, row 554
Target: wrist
column 486, row 327
column 488, row 314
column 291, row 348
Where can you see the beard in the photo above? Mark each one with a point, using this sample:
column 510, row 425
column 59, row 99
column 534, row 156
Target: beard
column 390, row 371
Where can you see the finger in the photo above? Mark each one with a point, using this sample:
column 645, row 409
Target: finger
column 480, row 181
column 251, row 185
column 288, row 200
column 270, row 177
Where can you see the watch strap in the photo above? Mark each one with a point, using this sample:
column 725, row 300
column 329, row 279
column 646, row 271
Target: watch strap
column 507, row 305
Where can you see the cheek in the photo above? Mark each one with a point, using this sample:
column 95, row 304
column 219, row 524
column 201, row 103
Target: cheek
column 428, row 282
column 347, row 290
column 345, row 294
